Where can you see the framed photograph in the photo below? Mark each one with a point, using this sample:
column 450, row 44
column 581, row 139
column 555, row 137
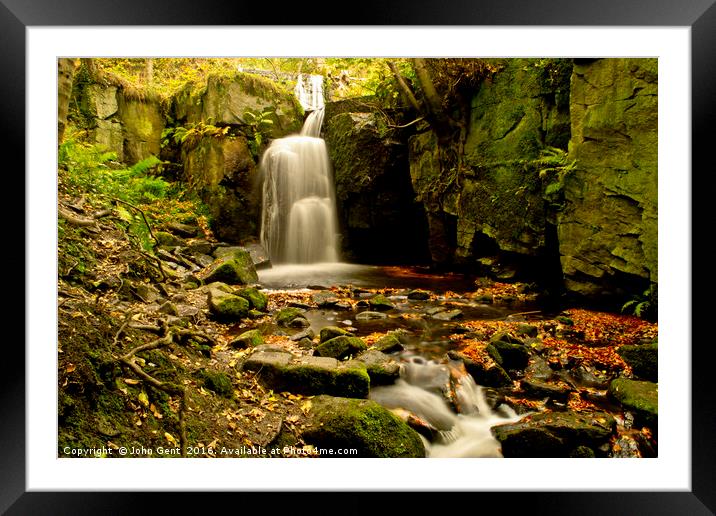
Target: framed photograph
column 647, row 57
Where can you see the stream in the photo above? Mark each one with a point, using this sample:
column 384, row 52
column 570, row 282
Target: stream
column 431, row 387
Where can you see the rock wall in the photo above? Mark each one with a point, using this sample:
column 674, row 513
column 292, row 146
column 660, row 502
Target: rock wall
column 379, row 218
column 223, row 172
column 608, row 228
column 125, row 123
column 224, row 100
column 495, row 206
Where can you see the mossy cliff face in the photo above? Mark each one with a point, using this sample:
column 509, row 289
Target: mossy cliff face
column 380, row 220
column 223, row 172
column 608, row 228
column 224, row 100
column 495, row 202
column 119, row 122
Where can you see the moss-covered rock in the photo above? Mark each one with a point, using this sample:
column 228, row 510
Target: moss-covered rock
column 640, row 397
column 142, row 125
column 508, row 355
column 254, row 296
column 165, row 238
column 380, row 303
column 388, row 343
column 285, row 316
column 331, row 332
column 608, row 228
column 340, row 347
column 540, row 389
column 644, row 360
column 218, row 382
column 554, row 434
column 233, row 270
column 225, row 306
column 373, row 190
column 225, row 99
column 248, row 339
column 381, row 368
column 339, row 423
column 310, row 375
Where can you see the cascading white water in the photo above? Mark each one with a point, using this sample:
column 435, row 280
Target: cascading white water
column 299, row 224
column 466, row 434
column 309, row 91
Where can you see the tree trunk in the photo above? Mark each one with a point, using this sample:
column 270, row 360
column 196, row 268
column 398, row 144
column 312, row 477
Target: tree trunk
column 65, row 75
column 149, row 70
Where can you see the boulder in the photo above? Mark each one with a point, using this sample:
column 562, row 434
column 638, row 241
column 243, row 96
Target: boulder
column 388, row 343
column 331, row 332
column 254, row 296
column 225, row 306
column 382, row 369
column 642, row 398
column 339, row 423
column 488, row 372
column 447, row 315
column 539, row 389
column 507, row 355
column 340, row 347
column 418, row 295
column 248, row 339
column 369, row 315
column 554, row 434
column 642, row 359
column 165, row 238
column 286, row 316
column 309, row 375
column 380, row 303
column 231, row 269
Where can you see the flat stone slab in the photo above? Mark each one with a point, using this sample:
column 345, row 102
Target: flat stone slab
column 263, row 359
column 310, row 375
column 368, row 315
column 447, row 315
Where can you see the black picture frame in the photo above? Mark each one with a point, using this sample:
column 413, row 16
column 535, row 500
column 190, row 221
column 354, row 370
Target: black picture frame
column 700, row 15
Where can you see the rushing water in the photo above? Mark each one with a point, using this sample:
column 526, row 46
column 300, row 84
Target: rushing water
column 422, row 390
column 299, row 224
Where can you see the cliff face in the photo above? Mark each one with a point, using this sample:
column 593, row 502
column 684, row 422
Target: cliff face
column 558, row 176
column 608, row 228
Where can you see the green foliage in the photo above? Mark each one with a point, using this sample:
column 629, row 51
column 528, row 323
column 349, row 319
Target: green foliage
column 640, row 305
column 190, row 135
column 258, row 125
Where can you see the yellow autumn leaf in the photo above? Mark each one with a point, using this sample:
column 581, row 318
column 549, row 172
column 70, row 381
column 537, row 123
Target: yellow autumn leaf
column 131, row 381
column 306, row 406
column 143, row 399
column 169, row 437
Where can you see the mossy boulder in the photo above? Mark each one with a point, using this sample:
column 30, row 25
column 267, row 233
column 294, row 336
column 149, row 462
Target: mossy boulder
column 310, row 375
column 225, row 306
column 554, row 434
column 380, row 303
column 233, row 270
column 166, row 238
column 642, row 359
column 388, row 343
column 374, row 431
column 331, row 332
column 642, row 398
column 218, row 382
column 286, row 316
column 508, row 355
column 340, row 347
column 381, row 368
column 254, row 296
column 248, row 339
column 419, row 295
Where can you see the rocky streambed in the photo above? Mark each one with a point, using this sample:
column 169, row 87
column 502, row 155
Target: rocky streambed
column 441, row 366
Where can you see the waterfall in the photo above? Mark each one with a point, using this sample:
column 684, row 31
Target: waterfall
column 299, row 224
column 309, row 91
